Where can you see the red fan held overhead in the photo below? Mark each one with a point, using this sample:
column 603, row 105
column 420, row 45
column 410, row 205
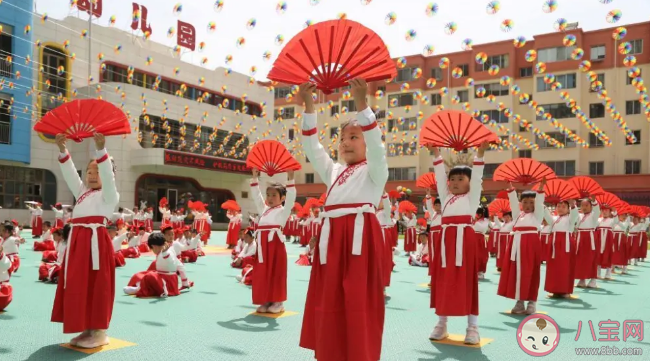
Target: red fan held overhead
column 230, row 205
column 271, row 157
column 608, row 200
column 80, row 119
column 394, row 194
column 427, row 181
column 502, row 195
column 297, row 207
column 523, row 170
column 558, row 190
column 455, row 129
column 406, row 206
column 586, row 186
column 163, row 202
column 498, row 207
column 330, row 54
column 196, row 206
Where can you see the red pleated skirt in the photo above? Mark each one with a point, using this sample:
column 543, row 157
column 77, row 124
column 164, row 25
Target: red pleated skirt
column 586, row 258
column 560, row 269
column 395, row 235
column 482, row 252
column 344, row 312
column 131, row 252
column 50, row 256
column 270, row 279
column 148, row 225
column 606, row 254
column 303, row 260
column 143, row 248
column 305, row 235
column 15, row 263
column 388, row 255
column 58, row 222
column 155, row 284
column 492, row 241
column 137, row 278
column 644, row 245
column 530, row 249
column 502, row 245
column 619, row 256
column 189, row 256
column 86, row 301
column 434, row 243
column 233, row 234
column 247, row 274
column 119, row 259
column 410, row 240
column 47, row 245
column 37, row 226
column 454, row 290
column 635, row 242
column 546, row 246
column 6, row 295
column 48, row 272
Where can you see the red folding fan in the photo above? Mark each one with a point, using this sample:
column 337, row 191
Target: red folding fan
column 608, row 200
column 558, row 190
column 422, row 222
column 499, row 206
column 163, row 202
column 637, row 211
column 330, row 54
column 394, row 194
column 297, row 207
column 455, row 129
column 82, row 118
column 230, row 205
column 310, row 203
column 586, row 186
column 427, row 181
column 321, row 199
column 523, row 170
column 271, row 157
column 623, row 208
column 502, row 195
column 406, row 206
column 196, row 206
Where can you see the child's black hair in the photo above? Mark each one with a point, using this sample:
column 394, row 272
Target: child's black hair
column 47, row 223
column 9, row 228
column 461, row 170
column 58, row 232
column 528, row 194
column 193, row 230
column 66, row 231
column 507, row 213
column 121, row 210
column 279, row 187
column 111, row 228
column 249, row 232
column 437, row 201
column 483, row 212
column 141, row 228
column 346, row 123
column 156, row 239
column 565, row 202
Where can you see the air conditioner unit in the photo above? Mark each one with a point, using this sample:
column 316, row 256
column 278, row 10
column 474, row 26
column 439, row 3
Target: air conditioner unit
column 572, row 26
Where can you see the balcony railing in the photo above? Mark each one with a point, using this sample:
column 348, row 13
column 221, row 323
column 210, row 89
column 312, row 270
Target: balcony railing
column 5, row 133
column 5, row 68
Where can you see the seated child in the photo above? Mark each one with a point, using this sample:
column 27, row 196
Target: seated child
column 307, row 258
column 49, row 272
column 248, row 254
column 133, row 251
column 420, row 257
column 191, row 246
column 6, row 291
column 10, row 244
column 117, row 245
column 47, row 244
column 60, row 244
column 240, row 244
column 163, row 282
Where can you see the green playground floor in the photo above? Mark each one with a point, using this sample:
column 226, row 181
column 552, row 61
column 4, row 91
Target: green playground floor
column 213, row 321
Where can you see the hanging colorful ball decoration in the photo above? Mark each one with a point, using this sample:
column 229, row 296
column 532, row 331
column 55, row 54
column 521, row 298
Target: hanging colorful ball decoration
column 549, row 6
column 493, row 7
column 431, row 9
column 614, row 16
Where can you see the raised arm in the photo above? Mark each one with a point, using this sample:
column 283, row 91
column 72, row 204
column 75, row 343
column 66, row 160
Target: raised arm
column 574, row 216
column 68, row 169
column 497, row 222
column 429, row 204
column 595, row 210
column 257, row 194
column 539, row 205
column 322, row 162
column 386, row 203
column 476, row 183
column 180, row 268
column 514, row 203
column 441, row 176
column 547, row 215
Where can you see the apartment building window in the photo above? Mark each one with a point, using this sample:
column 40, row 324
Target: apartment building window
column 488, row 170
column 281, row 93
column 309, row 178
column 400, row 100
column 557, row 111
column 596, row 168
column 401, row 174
column 597, row 52
column 463, row 95
column 500, row 60
column 600, row 78
column 637, row 46
column 568, row 81
column 637, row 135
column 436, row 99
column 465, row 69
column 596, row 110
column 495, row 89
column 334, row 154
column 568, row 143
column 334, row 132
column 403, row 75
column 334, row 110
column 287, row 113
column 550, row 55
column 5, row 119
column 292, row 134
column 594, row 142
column 495, row 115
column 382, row 88
column 522, row 128
column 20, row 184
column 632, row 107
column 628, row 80
column 632, row 167
column 564, row 168
column 350, row 104
column 380, row 114
column 402, row 149
column 526, row 72
column 6, row 49
column 404, row 125
column 528, row 153
column 436, row 73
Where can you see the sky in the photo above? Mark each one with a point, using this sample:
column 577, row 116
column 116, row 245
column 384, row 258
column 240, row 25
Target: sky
column 471, row 17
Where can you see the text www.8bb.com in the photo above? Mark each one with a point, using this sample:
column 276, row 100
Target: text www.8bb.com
column 608, row 351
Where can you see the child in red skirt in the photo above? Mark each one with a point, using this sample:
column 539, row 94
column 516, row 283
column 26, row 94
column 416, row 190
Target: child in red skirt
column 117, row 241
column 344, row 311
column 86, row 292
column 435, row 226
column 49, row 272
column 234, row 226
column 307, row 229
column 6, row 291
column 270, row 278
column 384, row 216
column 60, row 244
column 11, row 245
column 482, row 227
column 619, row 256
column 410, row 222
column 248, row 254
column 605, row 235
column 560, row 266
column 420, row 258
column 504, row 239
column 637, row 233
column 47, row 244
column 454, row 279
column 58, row 215
column 37, row 220
column 521, row 269
column 586, row 256
column 163, row 281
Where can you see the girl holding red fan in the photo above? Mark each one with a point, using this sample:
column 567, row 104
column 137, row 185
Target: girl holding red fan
column 435, row 226
column 37, row 219
column 455, row 274
column 560, row 266
column 386, row 221
column 481, row 227
column 344, row 312
column 606, row 239
column 521, row 267
column 586, row 261
column 58, row 215
column 234, row 225
column 270, row 278
column 86, row 292
column 504, row 239
column 411, row 237
column 619, row 256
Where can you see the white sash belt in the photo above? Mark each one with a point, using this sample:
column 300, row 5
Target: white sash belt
column 591, row 235
column 568, row 244
column 515, row 255
column 619, row 236
column 258, row 236
column 94, row 247
column 460, row 230
column 357, row 240
column 603, row 237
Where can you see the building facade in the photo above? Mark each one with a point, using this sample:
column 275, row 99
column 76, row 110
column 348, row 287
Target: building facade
column 191, row 126
column 423, row 87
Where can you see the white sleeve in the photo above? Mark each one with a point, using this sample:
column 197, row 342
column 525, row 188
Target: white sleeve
column 288, row 202
column 429, row 204
column 475, row 184
column 574, row 216
column 70, row 175
column 441, row 178
column 318, row 157
column 595, row 212
column 5, row 263
column 375, row 149
column 548, row 216
column 109, row 189
column 386, row 203
column 514, row 204
column 257, row 197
